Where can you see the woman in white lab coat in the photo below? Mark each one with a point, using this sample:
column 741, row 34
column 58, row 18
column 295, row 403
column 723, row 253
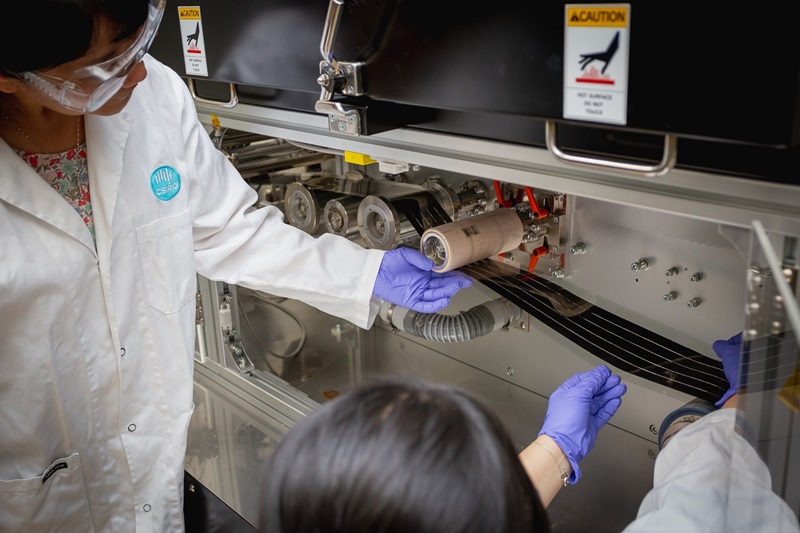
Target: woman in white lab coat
column 112, row 198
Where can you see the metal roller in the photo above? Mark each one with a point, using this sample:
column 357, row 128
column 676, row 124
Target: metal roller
column 304, row 207
column 465, row 241
column 341, row 215
column 380, row 225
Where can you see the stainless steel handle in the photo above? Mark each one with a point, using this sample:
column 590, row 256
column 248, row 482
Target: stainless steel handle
column 227, row 105
column 329, row 33
column 665, row 165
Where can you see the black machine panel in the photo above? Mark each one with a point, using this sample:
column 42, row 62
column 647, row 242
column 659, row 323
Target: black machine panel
column 707, row 73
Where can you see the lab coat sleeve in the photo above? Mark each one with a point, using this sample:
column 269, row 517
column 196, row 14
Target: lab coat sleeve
column 709, row 478
column 256, row 248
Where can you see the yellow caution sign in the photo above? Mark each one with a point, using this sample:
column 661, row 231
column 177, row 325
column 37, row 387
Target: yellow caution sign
column 596, row 53
column 193, row 41
column 607, row 17
column 189, row 13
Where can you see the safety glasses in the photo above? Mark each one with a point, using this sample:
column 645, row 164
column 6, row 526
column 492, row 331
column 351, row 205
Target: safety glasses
column 89, row 88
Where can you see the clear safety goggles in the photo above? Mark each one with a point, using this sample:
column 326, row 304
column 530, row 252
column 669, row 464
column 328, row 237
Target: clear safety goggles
column 89, row 88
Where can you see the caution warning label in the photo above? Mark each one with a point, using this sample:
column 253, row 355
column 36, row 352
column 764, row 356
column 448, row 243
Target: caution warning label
column 616, row 17
column 189, row 13
column 596, row 51
column 192, row 40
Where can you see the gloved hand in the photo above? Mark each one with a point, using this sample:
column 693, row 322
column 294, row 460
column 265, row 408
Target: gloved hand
column 578, row 409
column 405, row 278
column 729, row 351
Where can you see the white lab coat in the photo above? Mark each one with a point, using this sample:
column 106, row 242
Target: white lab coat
column 97, row 346
column 709, row 479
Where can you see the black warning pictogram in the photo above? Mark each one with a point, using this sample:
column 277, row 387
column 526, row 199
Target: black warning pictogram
column 604, row 56
column 193, row 36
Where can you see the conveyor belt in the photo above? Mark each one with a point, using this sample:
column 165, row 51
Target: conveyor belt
column 616, row 341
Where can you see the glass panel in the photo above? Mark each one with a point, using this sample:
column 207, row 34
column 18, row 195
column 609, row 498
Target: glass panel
column 769, row 398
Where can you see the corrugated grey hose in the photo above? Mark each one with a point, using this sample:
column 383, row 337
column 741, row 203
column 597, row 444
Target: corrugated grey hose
column 466, row 325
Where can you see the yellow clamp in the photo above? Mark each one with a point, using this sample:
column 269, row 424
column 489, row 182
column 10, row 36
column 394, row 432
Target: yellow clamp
column 358, row 159
column 215, row 121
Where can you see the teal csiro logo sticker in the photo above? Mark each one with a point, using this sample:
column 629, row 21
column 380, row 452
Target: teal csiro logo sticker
column 165, row 183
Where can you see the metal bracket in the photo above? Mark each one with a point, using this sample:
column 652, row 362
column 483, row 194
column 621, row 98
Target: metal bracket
column 338, row 78
column 238, row 358
column 346, row 80
column 342, row 118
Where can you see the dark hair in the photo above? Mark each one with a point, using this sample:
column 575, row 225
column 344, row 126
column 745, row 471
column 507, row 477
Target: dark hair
column 42, row 34
column 397, row 455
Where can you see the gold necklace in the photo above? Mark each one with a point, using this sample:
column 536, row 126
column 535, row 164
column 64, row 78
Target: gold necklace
column 34, row 143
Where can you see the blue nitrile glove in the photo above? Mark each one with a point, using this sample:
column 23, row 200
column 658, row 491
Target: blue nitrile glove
column 729, row 351
column 406, row 278
column 578, row 409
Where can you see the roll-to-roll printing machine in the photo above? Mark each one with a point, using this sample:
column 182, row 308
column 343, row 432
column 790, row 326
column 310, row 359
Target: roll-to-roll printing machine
column 622, row 180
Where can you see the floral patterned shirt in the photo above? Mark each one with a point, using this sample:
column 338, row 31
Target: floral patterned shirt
column 68, row 173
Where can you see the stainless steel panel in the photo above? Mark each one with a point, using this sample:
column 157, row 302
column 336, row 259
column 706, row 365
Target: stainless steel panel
column 617, row 473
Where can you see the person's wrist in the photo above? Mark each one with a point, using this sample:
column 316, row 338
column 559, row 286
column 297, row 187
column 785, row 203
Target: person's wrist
column 730, row 403
column 730, row 393
column 558, row 454
column 557, row 444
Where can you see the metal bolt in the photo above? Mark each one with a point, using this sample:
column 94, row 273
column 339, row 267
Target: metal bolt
column 577, row 249
column 652, row 454
column 670, row 296
column 653, row 429
column 336, row 220
column 324, row 79
column 554, row 249
column 641, row 264
column 558, row 273
column 671, row 272
column 192, row 488
column 555, row 219
column 697, row 276
column 694, row 302
column 510, row 371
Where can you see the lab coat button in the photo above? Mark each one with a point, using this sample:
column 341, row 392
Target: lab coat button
column 146, row 507
column 122, row 352
column 132, row 427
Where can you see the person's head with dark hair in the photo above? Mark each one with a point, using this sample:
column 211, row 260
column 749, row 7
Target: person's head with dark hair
column 61, row 58
column 61, row 30
column 398, row 455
